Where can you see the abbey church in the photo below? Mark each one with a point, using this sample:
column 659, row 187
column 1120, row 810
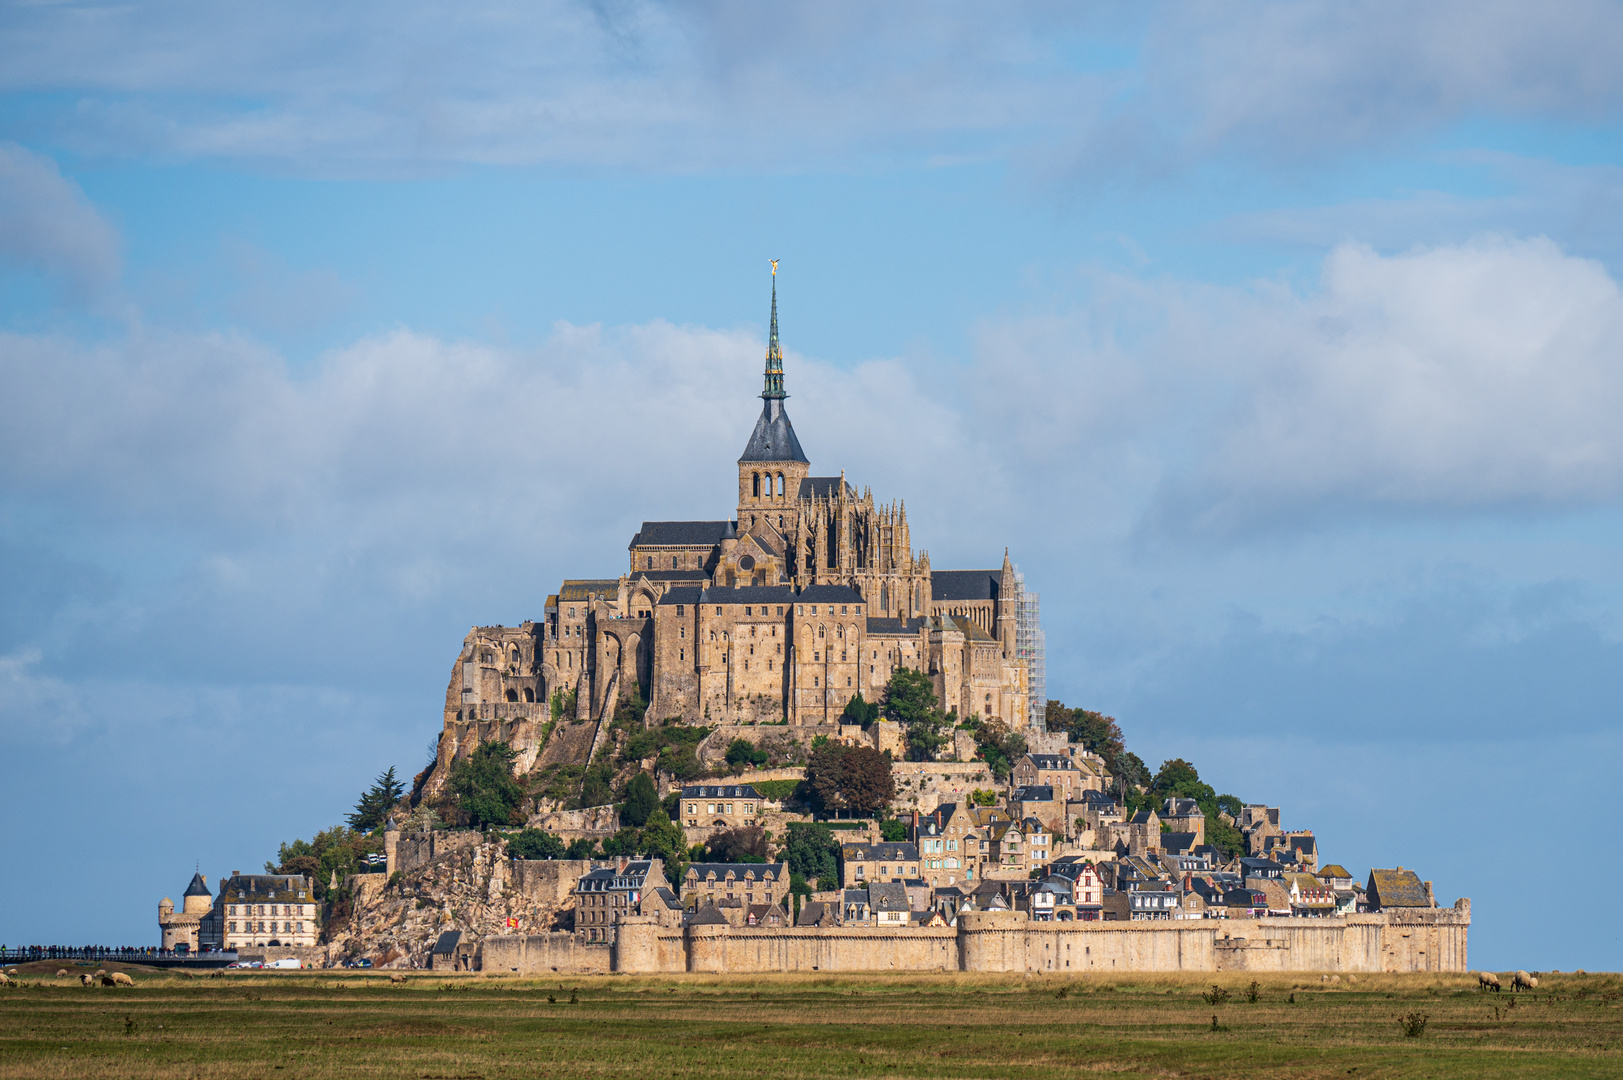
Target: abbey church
column 805, row 594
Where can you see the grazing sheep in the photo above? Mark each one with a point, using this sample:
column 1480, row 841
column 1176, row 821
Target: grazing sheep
column 6, row 980
column 395, row 978
column 1523, row 981
column 121, row 979
column 86, row 979
column 61, row 972
column 1487, row 980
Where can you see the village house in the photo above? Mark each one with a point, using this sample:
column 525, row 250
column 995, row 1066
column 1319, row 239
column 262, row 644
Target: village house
column 863, row 863
column 1056, row 771
column 744, row 884
column 1339, row 881
column 1310, row 897
column 267, row 909
column 1038, row 801
column 943, row 854
column 1185, row 816
column 608, row 894
column 721, row 806
column 1086, row 887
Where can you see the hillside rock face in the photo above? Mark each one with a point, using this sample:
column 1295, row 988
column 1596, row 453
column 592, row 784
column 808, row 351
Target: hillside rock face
column 476, row 889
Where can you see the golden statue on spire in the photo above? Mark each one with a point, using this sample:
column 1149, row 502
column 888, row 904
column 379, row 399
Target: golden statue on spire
column 774, row 268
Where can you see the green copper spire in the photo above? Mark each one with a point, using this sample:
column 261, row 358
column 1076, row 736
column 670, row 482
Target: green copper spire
column 774, row 353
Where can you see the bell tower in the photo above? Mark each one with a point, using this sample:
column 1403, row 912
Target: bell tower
column 773, row 464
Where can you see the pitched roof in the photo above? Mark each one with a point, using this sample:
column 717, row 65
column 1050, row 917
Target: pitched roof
column 1051, row 761
column 888, row 896
column 670, row 575
column 254, row 887
column 1034, row 793
column 667, row 897
column 1336, row 870
column 823, row 487
column 679, row 533
column 198, row 886
column 965, row 584
column 585, row 589
column 446, row 945
column 708, row 915
column 748, row 594
column 884, row 851
column 1397, row 888
column 894, row 626
column 720, row 791
column 683, row 594
column 774, row 437
column 1181, row 808
column 825, row 594
column 965, row 626
column 1179, row 842
column 740, row 871
column 811, row 913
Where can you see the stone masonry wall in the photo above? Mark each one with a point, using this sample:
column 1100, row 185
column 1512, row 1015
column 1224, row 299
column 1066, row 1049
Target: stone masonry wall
column 1432, row 940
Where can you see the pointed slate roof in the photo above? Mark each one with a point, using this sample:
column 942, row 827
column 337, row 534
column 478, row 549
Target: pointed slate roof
column 198, row 887
column 774, row 436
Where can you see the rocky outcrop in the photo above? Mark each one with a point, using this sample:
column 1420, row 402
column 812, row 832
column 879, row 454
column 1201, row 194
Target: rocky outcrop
column 476, row 889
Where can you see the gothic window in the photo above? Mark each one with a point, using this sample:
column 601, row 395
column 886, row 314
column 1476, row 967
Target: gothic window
column 650, row 563
column 780, row 492
column 757, row 485
column 820, row 632
column 884, row 599
column 673, row 562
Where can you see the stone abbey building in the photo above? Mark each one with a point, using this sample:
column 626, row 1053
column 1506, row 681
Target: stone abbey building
column 807, row 593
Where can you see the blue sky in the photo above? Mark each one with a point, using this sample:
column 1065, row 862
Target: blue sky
column 1279, row 342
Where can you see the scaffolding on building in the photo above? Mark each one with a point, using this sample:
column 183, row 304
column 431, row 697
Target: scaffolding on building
column 1029, row 645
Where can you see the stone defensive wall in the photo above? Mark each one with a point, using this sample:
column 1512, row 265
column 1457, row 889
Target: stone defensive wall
column 1007, row 941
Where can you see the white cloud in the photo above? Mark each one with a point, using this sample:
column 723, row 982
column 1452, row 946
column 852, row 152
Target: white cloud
column 48, row 226
column 376, row 87
column 1470, row 377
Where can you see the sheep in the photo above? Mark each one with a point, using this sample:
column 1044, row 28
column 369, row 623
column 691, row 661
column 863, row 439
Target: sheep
column 396, row 978
column 1487, row 980
column 1524, row 981
column 86, row 979
column 61, row 972
column 121, row 979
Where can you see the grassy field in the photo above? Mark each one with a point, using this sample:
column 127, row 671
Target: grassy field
column 287, row 1025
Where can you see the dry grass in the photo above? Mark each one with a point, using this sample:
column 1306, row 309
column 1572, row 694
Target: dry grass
column 317, row 1025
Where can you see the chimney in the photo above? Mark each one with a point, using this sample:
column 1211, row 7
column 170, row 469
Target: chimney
column 236, row 873
column 1430, row 898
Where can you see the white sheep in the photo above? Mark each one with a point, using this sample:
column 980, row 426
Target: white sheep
column 1487, row 980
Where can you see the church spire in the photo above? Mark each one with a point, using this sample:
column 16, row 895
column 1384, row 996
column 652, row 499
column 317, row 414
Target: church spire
column 774, row 353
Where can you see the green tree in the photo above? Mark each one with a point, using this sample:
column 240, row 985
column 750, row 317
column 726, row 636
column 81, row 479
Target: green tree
column 336, row 850
column 741, row 752
column 893, row 830
column 595, row 789
column 372, row 809
column 999, row 747
column 581, row 848
column 534, row 844
column 742, row 843
column 910, row 700
column 484, row 788
column 850, row 778
column 642, row 799
column 858, row 711
column 662, row 838
column 811, row 851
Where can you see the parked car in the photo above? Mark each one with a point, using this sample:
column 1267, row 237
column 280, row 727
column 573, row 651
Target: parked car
column 287, row 962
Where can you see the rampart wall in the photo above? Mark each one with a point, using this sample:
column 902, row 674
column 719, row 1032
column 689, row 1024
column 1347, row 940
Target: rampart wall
column 1007, row 941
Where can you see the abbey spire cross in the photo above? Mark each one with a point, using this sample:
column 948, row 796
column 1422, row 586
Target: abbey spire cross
column 774, row 354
